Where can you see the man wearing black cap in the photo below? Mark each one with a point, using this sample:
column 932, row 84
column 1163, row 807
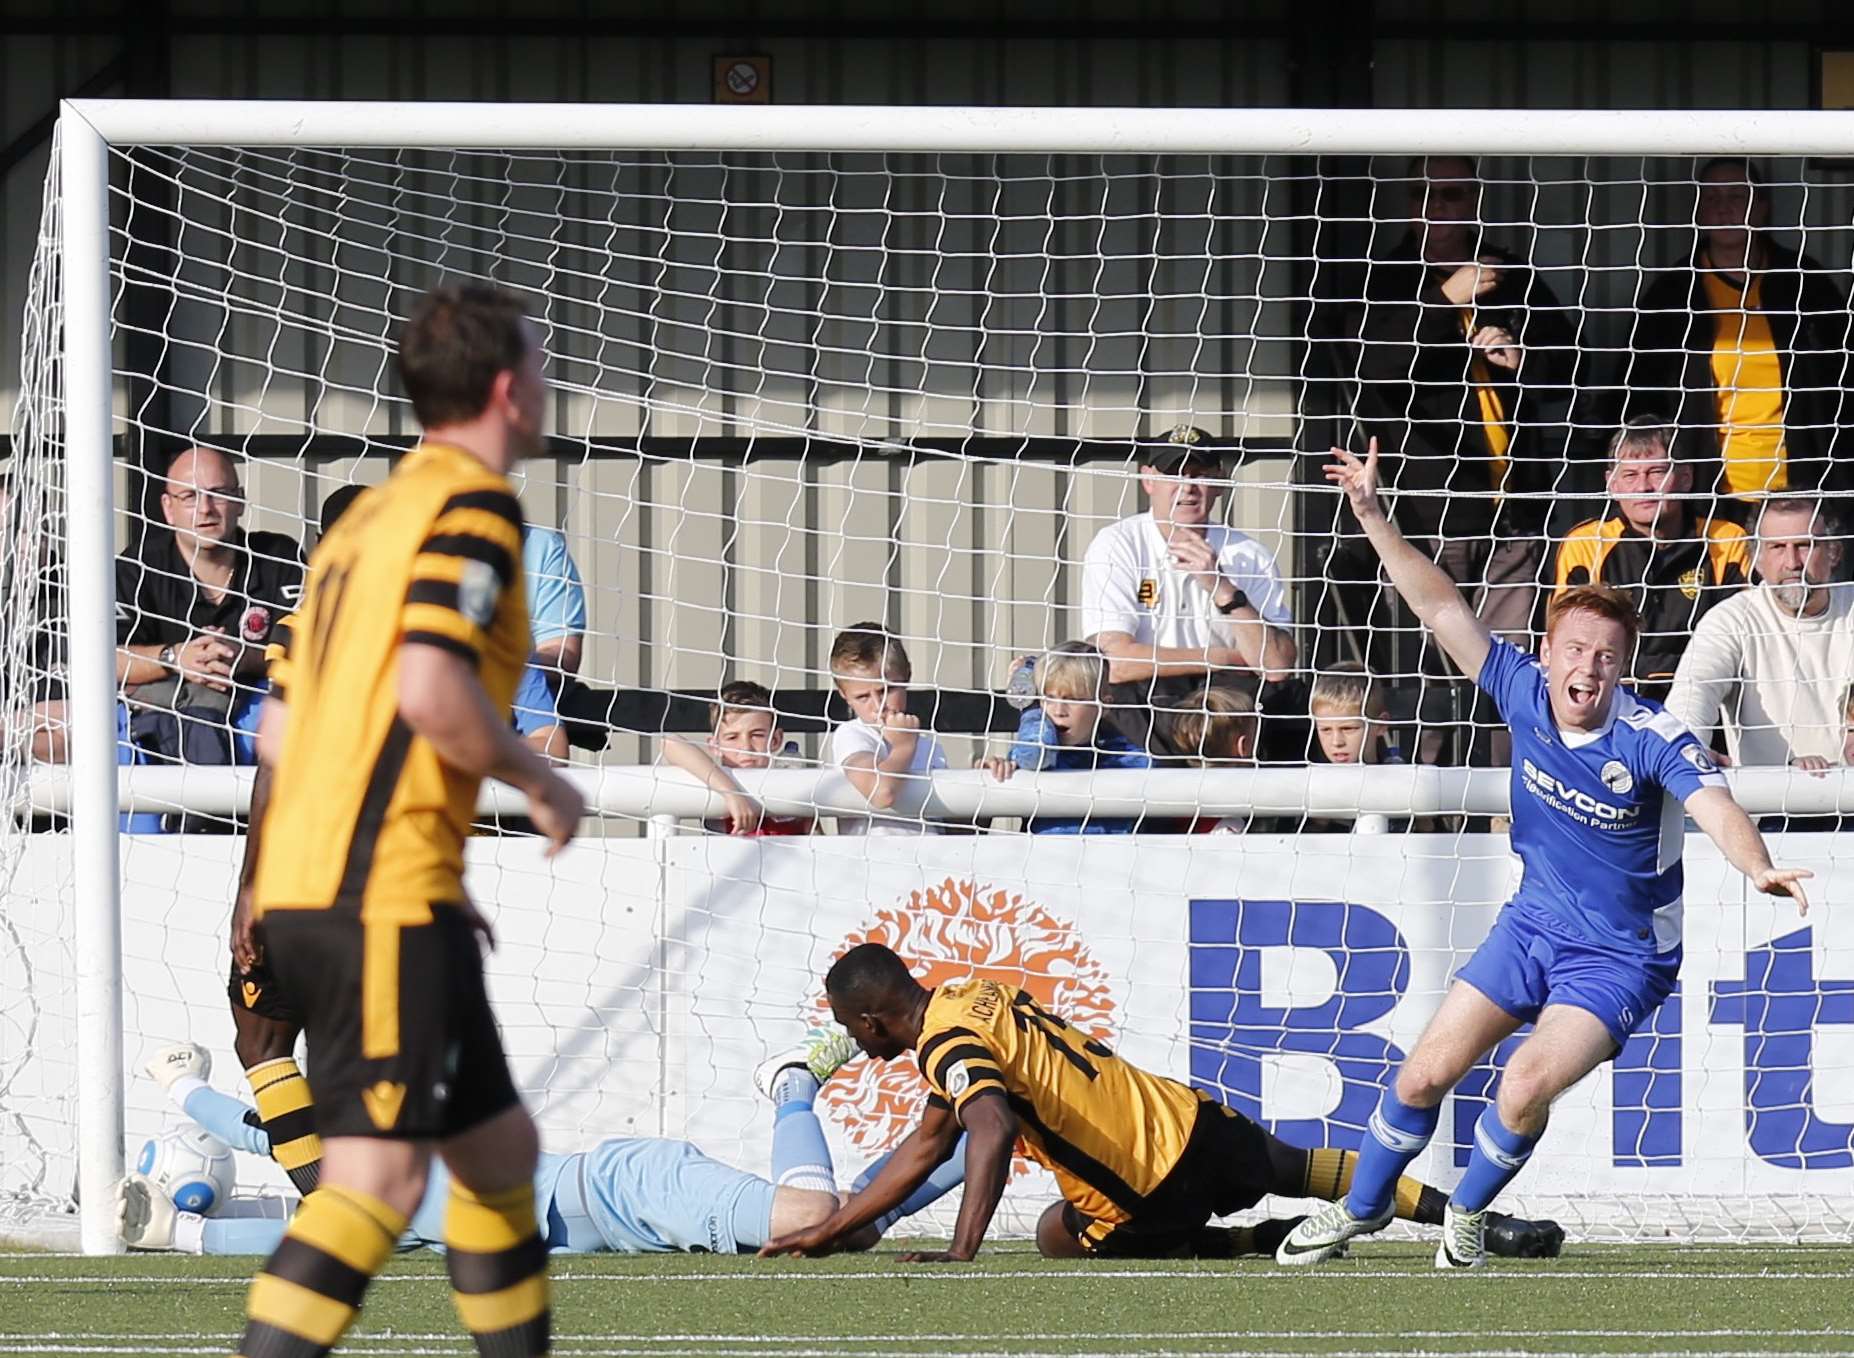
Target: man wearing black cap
column 1171, row 597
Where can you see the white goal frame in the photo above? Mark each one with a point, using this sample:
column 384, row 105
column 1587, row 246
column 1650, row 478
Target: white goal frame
column 88, row 129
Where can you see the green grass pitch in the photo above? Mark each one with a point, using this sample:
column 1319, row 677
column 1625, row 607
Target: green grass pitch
column 1386, row 1300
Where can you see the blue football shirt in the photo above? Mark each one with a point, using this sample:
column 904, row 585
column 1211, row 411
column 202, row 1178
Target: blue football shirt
column 1598, row 816
column 556, row 598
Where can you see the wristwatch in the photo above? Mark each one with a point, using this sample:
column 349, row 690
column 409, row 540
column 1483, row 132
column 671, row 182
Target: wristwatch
column 1237, row 600
column 167, row 657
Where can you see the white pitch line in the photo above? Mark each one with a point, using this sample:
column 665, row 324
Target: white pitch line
column 838, row 1351
column 1299, row 1277
column 1078, row 1336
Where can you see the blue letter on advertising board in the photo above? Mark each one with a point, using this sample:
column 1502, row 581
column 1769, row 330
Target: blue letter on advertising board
column 1233, row 1032
column 1779, row 1004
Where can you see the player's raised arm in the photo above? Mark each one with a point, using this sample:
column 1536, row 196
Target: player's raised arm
column 1423, row 584
column 1718, row 813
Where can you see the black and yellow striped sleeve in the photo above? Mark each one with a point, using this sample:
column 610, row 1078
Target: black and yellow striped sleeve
column 1579, row 558
column 468, row 560
column 1729, row 548
column 277, row 656
column 959, row 1065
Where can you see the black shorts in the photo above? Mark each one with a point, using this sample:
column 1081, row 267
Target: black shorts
column 1224, row 1168
column 257, row 991
column 402, row 1042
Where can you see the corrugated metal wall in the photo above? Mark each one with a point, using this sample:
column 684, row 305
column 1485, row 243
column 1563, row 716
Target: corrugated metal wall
column 943, row 298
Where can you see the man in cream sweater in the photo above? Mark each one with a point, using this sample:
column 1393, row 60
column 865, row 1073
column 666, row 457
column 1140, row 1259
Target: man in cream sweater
column 1778, row 659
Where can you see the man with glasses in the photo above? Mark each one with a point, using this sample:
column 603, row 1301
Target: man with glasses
column 194, row 609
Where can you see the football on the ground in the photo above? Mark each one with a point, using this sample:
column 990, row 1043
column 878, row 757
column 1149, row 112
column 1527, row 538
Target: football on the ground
column 190, row 1165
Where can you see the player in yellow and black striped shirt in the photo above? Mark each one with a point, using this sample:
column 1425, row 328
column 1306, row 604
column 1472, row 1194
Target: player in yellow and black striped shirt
column 402, row 663
column 1143, row 1162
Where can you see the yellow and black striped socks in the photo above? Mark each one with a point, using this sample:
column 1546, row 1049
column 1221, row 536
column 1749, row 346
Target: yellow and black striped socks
column 311, row 1288
column 1329, row 1173
column 288, row 1114
column 498, row 1267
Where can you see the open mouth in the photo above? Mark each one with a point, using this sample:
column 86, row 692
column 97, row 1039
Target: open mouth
column 1581, row 693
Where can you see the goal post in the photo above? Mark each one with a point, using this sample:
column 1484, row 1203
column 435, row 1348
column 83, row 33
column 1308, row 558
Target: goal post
column 83, row 227
column 971, row 557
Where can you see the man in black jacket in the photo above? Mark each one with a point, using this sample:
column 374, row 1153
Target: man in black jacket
column 1747, row 344
column 1461, row 346
column 1675, row 561
column 194, row 609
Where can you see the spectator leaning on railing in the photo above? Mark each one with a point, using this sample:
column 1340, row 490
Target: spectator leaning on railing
column 884, row 751
column 1776, row 661
column 1172, row 598
column 743, row 734
column 1064, row 731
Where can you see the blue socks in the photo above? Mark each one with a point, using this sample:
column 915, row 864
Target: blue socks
column 936, row 1186
column 800, row 1155
column 1395, row 1135
column 1498, row 1155
column 226, row 1118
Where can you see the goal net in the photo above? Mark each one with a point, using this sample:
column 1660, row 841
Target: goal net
column 836, row 367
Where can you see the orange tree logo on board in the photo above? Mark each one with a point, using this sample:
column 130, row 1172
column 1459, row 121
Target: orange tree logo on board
column 954, row 931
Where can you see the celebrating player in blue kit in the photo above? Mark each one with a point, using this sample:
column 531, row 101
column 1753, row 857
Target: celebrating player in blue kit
column 1589, row 946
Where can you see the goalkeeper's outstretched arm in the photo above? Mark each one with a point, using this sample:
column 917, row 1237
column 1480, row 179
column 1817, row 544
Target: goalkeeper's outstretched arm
column 1423, row 584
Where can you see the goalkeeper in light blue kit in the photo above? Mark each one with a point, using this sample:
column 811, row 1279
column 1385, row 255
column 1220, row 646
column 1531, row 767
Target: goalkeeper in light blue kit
column 626, row 1195
column 1589, row 945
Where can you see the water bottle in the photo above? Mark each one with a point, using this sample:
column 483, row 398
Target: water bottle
column 1022, row 691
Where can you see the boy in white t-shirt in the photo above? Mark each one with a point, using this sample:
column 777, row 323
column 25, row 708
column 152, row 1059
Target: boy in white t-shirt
column 882, row 750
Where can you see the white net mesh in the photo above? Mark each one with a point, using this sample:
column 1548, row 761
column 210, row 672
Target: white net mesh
column 37, row 970
column 797, row 391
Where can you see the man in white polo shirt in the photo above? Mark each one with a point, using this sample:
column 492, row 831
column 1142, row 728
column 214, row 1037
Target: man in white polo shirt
column 1170, row 597
column 1776, row 660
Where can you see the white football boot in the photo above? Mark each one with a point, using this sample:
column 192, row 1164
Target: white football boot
column 824, row 1052
column 1464, row 1239
column 1324, row 1234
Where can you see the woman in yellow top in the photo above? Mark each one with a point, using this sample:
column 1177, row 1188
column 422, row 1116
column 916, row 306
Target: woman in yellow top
column 1746, row 346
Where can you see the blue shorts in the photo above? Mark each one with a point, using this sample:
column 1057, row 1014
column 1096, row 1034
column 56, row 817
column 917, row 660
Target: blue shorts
column 1523, row 966
column 646, row 1195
